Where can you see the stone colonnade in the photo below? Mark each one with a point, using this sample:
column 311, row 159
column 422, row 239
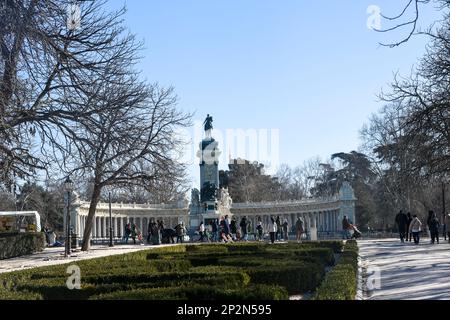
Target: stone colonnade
column 122, row 214
column 325, row 217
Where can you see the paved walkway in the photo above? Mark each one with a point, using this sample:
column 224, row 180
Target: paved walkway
column 408, row 272
column 55, row 256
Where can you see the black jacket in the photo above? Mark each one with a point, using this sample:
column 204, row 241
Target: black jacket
column 401, row 219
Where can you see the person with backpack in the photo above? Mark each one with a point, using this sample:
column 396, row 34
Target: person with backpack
column 299, row 229
column 434, row 226
column 415, row 228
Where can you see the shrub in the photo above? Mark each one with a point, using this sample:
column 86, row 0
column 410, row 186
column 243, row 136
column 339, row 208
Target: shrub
column 259, row 292
column 21, row 244
column 296, row 279
column 340, row 283
column 207, row 248
column 160, row 252
column 164, row 265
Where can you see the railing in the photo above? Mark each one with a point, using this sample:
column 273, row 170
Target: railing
column 284, row 203
column 138, row 206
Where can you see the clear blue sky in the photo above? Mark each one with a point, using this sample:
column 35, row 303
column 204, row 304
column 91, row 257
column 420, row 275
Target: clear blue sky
column 311, row 69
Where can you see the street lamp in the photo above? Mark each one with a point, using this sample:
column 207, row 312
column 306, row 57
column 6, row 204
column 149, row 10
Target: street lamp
column 68, row 187
column 111, row 244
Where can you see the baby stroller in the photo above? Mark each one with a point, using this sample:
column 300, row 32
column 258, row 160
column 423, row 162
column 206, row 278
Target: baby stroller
column 356, row 233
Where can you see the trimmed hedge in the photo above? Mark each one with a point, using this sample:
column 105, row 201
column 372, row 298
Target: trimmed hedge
column 258, row 292
column 341, row 282
column 296, row 279
column 21, row 244
column 234, row 271
column 56, row 289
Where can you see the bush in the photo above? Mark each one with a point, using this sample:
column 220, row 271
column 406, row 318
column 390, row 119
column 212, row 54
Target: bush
column 164, row 265
column 259, row 292
column 296, row 279
column 160, row 252
column 341, row 283
column 21, row 244
column 207, row 248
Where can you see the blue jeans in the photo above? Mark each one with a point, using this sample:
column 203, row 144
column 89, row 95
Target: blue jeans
column 346, row 234
column 416, row 236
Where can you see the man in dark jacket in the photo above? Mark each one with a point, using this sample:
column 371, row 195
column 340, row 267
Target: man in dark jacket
column 434, row 225
column 244, row 230
column 215, row 230
column 402, row 222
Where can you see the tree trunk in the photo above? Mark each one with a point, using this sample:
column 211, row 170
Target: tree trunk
column 90, row 219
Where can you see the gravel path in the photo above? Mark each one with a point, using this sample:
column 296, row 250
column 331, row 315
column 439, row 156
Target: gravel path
column 55, row 256
column 408, row 272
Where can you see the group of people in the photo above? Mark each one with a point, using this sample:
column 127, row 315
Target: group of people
column 133, row 232
column 228, row 230
column 411, row 227
column 224, row 230
column 156, row 233
column 280, row 231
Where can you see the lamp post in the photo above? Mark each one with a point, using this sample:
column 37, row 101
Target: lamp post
column 111, row 244
column 68, row 187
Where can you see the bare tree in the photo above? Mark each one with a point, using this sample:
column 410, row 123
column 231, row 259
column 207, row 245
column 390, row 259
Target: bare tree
column 130, row 141
column 45, row 67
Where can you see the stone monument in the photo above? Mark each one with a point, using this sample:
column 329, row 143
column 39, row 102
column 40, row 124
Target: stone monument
column 210, row 202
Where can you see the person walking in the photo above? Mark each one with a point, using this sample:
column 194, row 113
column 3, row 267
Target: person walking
column 226, row 225
column 415, row 228
column 201, row 231
column 402, row 222
column 434, row 226
column 286, row 230
column 260, row 231
column 447, row 226
column 180, row 230
column 214, row 230
column 244, row 231
column 279, row 228
column 233, row 228
column 408, row 224
column 346, row 227
column 272, row 229
column 127, row 232
column 133, row 232
column 299, row 229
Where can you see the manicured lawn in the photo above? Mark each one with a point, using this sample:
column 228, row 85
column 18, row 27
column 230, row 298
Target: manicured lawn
column 205, row 272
